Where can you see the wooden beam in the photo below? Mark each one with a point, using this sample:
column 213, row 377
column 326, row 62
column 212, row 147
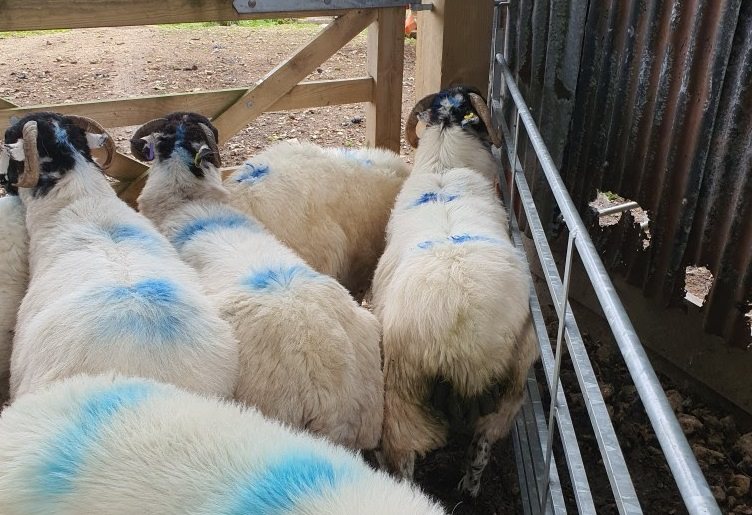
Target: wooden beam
column 288, row 74
column 138, row 110
column 454, row 46
column 386, row 50
column 67, row 14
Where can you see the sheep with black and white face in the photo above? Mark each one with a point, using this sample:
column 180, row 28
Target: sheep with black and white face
column 106, row 291
column 452, row 294
column 309, row 354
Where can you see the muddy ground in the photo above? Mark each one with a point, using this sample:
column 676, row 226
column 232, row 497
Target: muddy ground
column 74, row 66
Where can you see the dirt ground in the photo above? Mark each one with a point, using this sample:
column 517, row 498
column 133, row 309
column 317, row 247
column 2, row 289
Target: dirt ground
column 95, row 64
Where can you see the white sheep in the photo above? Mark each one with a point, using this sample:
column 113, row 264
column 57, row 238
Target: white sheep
column 106, row 290
column 329, row 205
column 309, row 354
column 132, row 446
column 14, row 277
column 452, row 294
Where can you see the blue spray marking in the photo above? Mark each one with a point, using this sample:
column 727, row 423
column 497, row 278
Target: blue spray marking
column 61, row 136
column 151, row 310
column 65, row 455
column 212, row 223
column 459, row 239
column 432, row 197
column 252, row 173
column 355, row 156
column 123, row 233
column 272, row 279
column 288, row 482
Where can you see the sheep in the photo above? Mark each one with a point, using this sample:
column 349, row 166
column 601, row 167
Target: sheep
column 116, row 445
column 329, row 205
column 452, row 294
column 106, row 290
column 309, row 354
column 14, row 275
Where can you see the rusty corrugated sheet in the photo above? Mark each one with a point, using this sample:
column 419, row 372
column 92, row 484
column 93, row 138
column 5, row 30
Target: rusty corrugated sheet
column 653, row 100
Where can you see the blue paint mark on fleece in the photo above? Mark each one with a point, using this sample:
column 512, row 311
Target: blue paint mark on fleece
column 354, row 155
column 432, row 197
column 271, row 279
column 252, row 173
column 289, row 482
column 65, row 455
column 151, row 310
column 123, row 233
column 458, row 239
column 211, row 223
column 61, row 136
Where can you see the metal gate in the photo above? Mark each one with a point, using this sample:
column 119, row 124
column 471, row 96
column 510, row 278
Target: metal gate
column 535, row 430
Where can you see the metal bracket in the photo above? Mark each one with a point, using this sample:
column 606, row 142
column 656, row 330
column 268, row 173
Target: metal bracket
column 421, row 7
column 271, row 6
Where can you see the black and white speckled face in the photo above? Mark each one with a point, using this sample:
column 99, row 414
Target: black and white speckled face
column 452, row 108
column 59, row 143
column 181, row 137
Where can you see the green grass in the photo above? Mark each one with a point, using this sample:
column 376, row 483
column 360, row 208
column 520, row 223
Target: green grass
column 611, row 196
column 29, row 33
column 238, row 23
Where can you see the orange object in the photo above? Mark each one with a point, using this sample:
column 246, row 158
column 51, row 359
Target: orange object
column 411, row 26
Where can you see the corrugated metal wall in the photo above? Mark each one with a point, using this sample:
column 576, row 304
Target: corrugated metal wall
column 651, row 99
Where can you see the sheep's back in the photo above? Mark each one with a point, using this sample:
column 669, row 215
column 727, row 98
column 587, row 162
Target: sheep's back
column 108, row 292
column 451, row 291
column 330, row 206
column 114, row 445
column 308, row 352
column 14, row 278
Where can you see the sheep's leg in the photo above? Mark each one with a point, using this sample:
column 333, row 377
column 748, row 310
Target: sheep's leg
column 479, row 454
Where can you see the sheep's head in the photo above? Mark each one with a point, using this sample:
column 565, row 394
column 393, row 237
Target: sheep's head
column 188, row 137
column 459, row 106
column 41, row 148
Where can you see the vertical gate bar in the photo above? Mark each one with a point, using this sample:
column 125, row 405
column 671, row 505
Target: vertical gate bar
column 562, row 309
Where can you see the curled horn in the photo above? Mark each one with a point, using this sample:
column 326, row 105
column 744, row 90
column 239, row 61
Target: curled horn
column 215, row 159
column 485, row 114
column 30, row 176
column 149, row 127
column 412, row 121
column 89, row 125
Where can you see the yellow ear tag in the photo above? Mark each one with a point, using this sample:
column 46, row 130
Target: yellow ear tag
column 469, row 116
column 195, row 159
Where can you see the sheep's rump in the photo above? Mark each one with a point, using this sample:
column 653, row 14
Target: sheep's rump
column 330, row 206
column 309, row 355
column 124, row 446
column 108, row 292
column 14, row 278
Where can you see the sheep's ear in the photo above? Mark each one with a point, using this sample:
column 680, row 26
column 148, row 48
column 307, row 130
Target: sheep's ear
column 16, row 150
column 144, row 148
column 95, row 140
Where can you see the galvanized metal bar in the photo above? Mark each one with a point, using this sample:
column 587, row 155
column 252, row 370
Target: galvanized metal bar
column 562, row 310
column 608, row 443
column 554, row 497
column 620, row 208
column 567, row 433
column 270, row 6
column 525, row 469
column 694, row 489
column 583, row 370
column 520, row 466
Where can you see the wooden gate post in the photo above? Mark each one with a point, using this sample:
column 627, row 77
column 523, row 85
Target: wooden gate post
column 454, row 45
column 386, row 46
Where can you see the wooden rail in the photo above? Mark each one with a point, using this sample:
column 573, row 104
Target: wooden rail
column 230, row 110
